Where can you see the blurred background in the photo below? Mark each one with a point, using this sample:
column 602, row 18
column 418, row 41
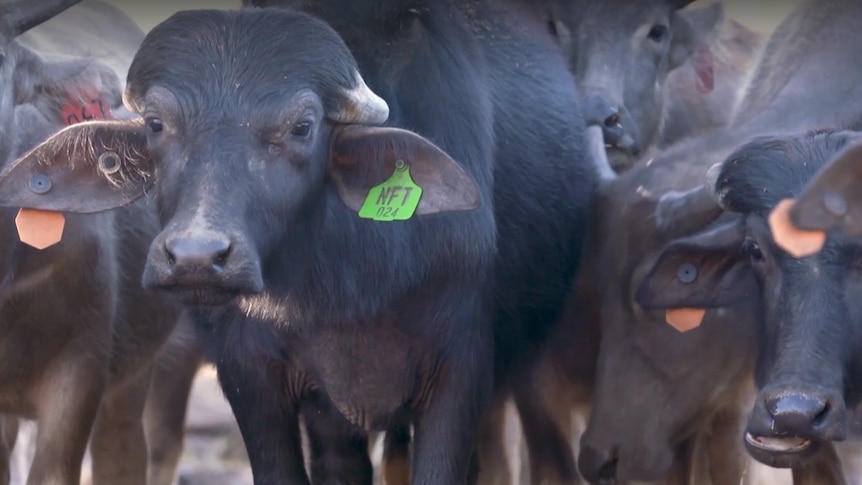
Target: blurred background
column 761, row 15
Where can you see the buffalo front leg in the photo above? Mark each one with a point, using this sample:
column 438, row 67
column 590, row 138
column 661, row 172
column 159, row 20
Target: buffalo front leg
column 446, row 424
column 66, row 403
column 165, row 412
column 491, row 444
column 267, row 419
column 118, row 445
column 546, row 421
column 338, row 449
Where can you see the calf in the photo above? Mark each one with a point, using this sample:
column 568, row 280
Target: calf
column 78, row 327
column 637, row 358
column 363, row 304
column 621, row 54
column 807, row 365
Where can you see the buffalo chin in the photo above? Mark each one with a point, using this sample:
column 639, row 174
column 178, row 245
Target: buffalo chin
column 780, row 452
column 202, row 295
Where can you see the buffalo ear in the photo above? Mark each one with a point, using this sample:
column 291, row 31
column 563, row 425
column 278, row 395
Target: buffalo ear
column 833, row 199
column 87, row 167
column 701, row 271
column 364, row 157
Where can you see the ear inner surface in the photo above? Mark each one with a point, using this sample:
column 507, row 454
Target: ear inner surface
column 798, row 243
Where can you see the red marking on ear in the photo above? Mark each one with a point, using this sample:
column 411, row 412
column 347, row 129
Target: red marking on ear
column 703, row 69
column 93, row 107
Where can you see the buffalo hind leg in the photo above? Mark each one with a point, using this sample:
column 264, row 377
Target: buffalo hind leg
column 338, row 449
column 119, row 446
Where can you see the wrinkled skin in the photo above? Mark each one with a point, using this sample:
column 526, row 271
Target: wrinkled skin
column 620, row 54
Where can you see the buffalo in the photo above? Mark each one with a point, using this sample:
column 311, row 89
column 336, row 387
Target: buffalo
column 79, row 329
column 621, row 54
column 805, row 369
column 293, row 226
column 696, row 385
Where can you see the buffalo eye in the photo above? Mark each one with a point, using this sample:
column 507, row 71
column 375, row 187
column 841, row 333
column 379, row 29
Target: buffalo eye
column 301, row 130
column 658, row 33
column 752, row 250
column 154, row 125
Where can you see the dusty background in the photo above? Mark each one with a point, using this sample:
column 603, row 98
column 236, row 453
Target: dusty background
column 214, row 454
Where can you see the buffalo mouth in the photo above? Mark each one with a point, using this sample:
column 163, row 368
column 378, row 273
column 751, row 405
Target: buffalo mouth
column 778, row 452
column 202, row 295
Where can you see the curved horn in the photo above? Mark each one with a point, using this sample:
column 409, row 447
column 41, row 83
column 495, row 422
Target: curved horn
column 23, row 15
column 598, row 154
column 685, row 212
column 359, row 105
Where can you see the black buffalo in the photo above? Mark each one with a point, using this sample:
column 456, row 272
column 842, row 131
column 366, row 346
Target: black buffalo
column 262, row 135
column 79, row 333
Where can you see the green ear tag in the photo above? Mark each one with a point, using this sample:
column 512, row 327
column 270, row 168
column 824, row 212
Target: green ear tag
column 396, row 199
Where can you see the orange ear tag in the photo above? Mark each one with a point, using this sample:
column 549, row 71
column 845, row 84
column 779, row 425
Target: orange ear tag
column 38, row 228
column 684, row 319
column 795, row 241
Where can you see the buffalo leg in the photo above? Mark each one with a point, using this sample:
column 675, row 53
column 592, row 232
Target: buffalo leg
column 267, row 419
column 8, row 434
column 395, row 465
column 119, row 446
column 824, row 468
column 165, row 412
column 728, row 459
column 338, row 449
column 64, row 429
column 546, row 427
column 491, row 444
column 446, row 426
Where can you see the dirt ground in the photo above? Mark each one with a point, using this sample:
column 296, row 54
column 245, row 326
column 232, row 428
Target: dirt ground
column 214, row 454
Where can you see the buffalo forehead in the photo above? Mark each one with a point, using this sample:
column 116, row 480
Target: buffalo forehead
column 229, row 55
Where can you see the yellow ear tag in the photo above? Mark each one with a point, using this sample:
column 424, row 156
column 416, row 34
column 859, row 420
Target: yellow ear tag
column 396, row 199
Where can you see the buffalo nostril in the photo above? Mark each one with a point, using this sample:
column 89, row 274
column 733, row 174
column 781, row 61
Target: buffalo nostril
column 598, row 466
column 212, row 250
column 798, row 414
column 608, row 471
column 613, row 120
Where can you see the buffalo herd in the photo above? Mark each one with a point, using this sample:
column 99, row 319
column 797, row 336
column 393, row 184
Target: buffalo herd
column 638, row 222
